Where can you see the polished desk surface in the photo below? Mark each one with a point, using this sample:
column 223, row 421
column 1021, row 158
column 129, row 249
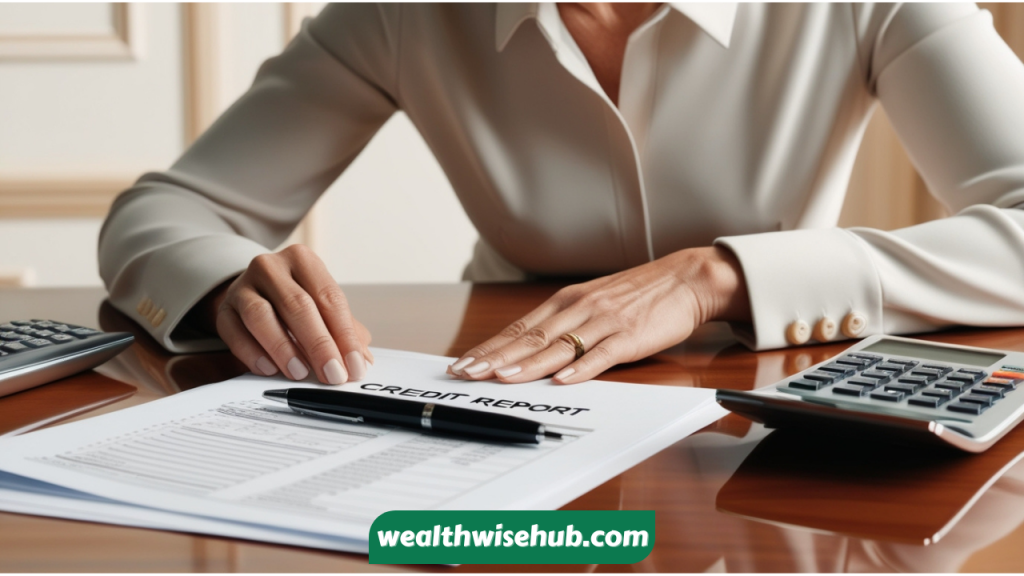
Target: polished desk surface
column 732, row 497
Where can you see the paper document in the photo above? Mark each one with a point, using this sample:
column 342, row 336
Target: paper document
column 220, row 459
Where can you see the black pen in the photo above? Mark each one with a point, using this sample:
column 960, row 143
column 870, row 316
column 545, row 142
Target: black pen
column 358, row 408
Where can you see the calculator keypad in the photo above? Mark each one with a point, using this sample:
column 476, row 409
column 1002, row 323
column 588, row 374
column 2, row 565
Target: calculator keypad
column 21, row 335
column 893, row 380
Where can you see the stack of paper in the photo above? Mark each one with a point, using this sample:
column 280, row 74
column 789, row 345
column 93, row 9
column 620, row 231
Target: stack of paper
column 221, row 460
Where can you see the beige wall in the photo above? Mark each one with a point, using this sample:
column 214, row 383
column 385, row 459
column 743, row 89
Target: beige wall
column 95, row 94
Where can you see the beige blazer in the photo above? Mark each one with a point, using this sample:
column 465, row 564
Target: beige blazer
column 736, row 124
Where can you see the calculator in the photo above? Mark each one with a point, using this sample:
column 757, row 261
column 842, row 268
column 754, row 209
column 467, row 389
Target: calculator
column 898, row 389
column 34, row 352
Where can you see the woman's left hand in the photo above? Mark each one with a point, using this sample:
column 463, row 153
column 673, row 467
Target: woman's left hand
column 620, row 318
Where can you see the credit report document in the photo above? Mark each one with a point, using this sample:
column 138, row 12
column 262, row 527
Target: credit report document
column 220, row 459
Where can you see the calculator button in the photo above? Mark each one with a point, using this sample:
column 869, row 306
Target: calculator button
column 905, row 388
column 13, row 336
column 1008, row 375
column 13, row 347
column 937, row 367
column 915, row 381
column 843, row 371
column 863, row 383
column 954, row 386
column 869, row 357
column 926, row 401
column 7, row 326
column 979, row 374
column 853, row 362
column 889, row 367
column 1001, row 383
column 25, row 329
column 850, row 390
column 929, row 375
column 37, row 342
column 807, row 384
column 965, row 378
column 826, row 377
column 59, row 338
column 44, row 333
column 83, row 332
column 21, row 323
column 888, row 395
column 996, row 393
column 878, row 376
column 938, row 393
column 42, row 323
column 965, row 407
column 907, row 363
column 976, row 399
column 60, row 328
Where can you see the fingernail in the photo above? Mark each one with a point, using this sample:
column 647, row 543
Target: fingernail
column 509, row 371
column 266, row 366
column 297, row 369
column 356, row 365
column 458, row 366
column 335, row 372
column 477, row 368
column 565, row 374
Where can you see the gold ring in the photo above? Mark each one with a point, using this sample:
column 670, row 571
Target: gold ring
column 577, row 343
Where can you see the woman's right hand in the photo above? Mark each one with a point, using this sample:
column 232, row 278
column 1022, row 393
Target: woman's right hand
column 286, row 312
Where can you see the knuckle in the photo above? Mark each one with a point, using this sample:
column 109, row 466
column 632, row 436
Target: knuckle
column 348, row 335
column 302, row 255
column 567, row 295
column 601, row 355
column 255, row 309
column 263, row 264
column 296, row 303
column 536, row 337
column 331, row 298
column 322, row 345
column 281, row 348
column 514, row 330
column 296, row 250
column 498, row 358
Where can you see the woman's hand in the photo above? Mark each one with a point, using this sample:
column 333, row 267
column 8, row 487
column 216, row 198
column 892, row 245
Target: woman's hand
column 620, row 318
column 286, row 312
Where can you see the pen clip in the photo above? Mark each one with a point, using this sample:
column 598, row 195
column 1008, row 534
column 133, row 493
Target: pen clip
column 352, row 419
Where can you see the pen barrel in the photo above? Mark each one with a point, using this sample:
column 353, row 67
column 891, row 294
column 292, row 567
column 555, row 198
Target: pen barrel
column 371, row 409
column 486, row 425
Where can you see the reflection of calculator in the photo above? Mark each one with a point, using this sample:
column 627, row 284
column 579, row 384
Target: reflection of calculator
column 898, row 389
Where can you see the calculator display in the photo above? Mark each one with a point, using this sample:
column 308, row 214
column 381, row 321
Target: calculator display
column 938, row 353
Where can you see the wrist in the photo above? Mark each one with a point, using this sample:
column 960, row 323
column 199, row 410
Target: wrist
column 721, row 287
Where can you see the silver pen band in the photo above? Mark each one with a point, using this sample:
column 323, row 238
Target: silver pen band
column 428, row 411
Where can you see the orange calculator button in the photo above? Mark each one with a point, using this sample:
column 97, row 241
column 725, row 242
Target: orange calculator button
column 1008, row 375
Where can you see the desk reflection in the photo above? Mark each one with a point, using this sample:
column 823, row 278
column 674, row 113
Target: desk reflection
column 892, row 507
column 147, row 363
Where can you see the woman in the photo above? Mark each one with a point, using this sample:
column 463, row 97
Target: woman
column 693, row 158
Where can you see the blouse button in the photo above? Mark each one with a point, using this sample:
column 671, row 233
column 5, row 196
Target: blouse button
column 798, row 333
column 825, row 329
column 854, row 324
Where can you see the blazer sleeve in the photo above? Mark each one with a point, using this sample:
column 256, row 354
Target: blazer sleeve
column 244, row 185
column 954, row 92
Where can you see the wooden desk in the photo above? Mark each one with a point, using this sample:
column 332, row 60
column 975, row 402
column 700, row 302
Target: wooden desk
column 731, row 497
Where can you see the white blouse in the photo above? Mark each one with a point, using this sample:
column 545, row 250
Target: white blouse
column 736, row 125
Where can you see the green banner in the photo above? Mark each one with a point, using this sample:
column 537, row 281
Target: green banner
column 512, row 537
